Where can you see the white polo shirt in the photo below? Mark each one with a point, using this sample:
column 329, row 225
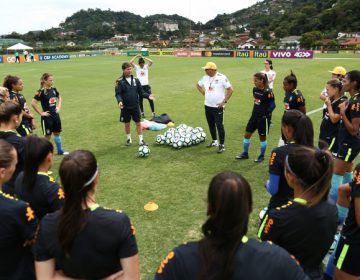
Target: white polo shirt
column 270, row 74
column 214, row 88
column 142, row 74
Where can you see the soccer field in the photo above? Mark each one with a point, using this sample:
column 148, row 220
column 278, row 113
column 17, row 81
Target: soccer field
column 176, row 180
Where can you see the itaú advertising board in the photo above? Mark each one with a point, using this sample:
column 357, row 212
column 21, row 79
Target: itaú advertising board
column 59, row 56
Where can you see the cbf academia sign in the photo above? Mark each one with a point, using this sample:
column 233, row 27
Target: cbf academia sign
column 291, row 54
column 46, row 57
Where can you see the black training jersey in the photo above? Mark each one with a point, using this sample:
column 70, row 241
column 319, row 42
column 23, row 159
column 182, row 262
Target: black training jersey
column 262, row 100
column 327, row 127
column 19, row 143
column 17, row 225
column 107, row 237
column 294, row 100
column 351, row 230
column 276, row 167
column 305, row 232
column 254, row 260
column 46, row 196
column 20, row 99
column 48, row 98
column 352, row 112
column 128, row 93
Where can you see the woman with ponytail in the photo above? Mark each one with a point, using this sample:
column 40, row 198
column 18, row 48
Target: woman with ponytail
column 225, row 252
column 34, row 185
column 10, row 119
column 260, row 117
column 306, row 225
column 84, row 240
column 348, row 136
column 297, row 129
column 331, row 121
column 17, row 224
column 15, row 85
column 294, row 98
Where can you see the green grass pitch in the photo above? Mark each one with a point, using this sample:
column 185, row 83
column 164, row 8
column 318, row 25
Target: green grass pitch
column 176, row 180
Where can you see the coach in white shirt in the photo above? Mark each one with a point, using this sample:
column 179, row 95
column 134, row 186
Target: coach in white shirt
column 213, row 86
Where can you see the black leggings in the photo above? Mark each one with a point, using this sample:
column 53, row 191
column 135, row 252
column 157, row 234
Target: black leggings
column 215, row 118
column 141, row 98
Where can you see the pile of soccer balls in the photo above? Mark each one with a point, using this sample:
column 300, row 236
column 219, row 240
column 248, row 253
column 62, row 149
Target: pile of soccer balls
column 181, row 136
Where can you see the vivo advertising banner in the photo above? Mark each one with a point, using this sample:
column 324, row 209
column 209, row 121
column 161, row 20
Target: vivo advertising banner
column 46, row 57
column 1, row 59
column 292, row 54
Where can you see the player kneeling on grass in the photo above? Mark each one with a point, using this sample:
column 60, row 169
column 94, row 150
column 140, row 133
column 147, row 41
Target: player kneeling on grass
column 225, row 252
column 85, row 240
column 306, row 225
column 263, row 98
column 127, row 92
column 51, row 104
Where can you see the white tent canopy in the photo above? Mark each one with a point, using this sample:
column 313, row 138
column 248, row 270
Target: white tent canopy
column 19, row 46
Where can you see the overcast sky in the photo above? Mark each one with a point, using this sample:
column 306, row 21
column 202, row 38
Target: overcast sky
column 24, row 15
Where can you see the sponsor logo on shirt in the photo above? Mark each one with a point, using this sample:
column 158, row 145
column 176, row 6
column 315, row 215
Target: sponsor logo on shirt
column 272, row 158
column 61, row 193
column 30, row 214
column 268, row 225
column 165, row 261
column 356, row 177
column 52, row 101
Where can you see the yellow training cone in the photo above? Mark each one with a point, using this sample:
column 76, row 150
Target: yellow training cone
column 151, row 206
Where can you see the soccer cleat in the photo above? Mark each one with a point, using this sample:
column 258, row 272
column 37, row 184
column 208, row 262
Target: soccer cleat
column 153, row 114
column 62, row 153
column 143, row 143
column 242, row 156
column 128, row 142
column 221, row 149
column 212, row 144
column 259, row 159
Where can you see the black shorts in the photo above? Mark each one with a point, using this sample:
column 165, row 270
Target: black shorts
column 147, row 89
column 332, row 144
column 348, row 151
column 261, row 124
column 127, row 114
column 24, row 129
column 51, row 124
column 347, row 257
